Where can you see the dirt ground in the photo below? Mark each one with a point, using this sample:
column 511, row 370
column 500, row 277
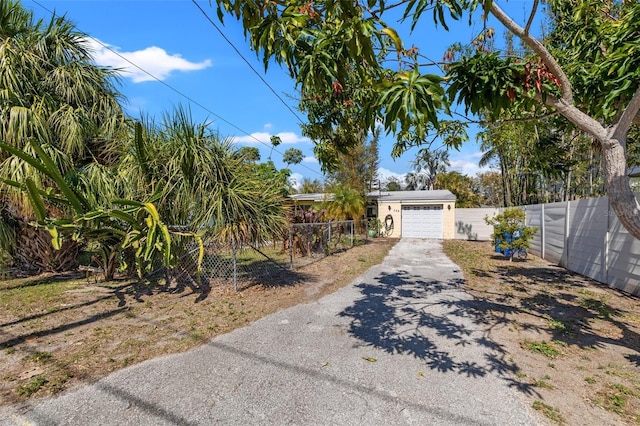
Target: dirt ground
column 574, row 343
column 57, row 332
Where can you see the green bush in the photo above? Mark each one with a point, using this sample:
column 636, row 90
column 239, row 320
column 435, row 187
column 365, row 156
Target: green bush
column 511, row 222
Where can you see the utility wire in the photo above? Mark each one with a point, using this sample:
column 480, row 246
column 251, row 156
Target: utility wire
column 212, row 22
column 188, row 98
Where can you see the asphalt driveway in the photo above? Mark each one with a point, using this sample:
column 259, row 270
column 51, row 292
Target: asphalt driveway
column 397, row 346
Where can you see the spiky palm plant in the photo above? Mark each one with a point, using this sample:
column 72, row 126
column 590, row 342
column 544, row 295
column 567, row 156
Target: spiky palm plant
column 204, row 181
column 51, row 92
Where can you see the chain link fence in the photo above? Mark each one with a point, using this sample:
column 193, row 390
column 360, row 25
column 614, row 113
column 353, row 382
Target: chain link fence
column 310, row 242
column 273, row 264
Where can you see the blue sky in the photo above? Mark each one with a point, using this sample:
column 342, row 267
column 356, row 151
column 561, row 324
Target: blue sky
column 190, row 63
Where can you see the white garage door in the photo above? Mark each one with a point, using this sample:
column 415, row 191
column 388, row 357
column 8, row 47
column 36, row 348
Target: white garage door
column 422, row 221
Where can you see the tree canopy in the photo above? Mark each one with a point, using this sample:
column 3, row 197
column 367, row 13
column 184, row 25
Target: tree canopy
column 587, row 68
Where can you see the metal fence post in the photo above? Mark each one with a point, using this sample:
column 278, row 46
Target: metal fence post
column 235, row 264
column 353, row 224
column 291, row 247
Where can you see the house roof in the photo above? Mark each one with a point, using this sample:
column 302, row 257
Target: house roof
column 316, row 198
column 441, row 195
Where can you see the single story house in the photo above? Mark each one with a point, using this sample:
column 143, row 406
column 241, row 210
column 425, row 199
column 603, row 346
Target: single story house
column 414, row 214
column 308, row 200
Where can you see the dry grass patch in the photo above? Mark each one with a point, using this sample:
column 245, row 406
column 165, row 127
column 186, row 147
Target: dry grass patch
column 59, row 331
column 576, row 342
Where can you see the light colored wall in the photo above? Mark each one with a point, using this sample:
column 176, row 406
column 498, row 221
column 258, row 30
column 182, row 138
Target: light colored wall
column 448, row 221
column 469, row 224
column 534, row 218
column 586, row 244
column 623, row 257
column 395, row 210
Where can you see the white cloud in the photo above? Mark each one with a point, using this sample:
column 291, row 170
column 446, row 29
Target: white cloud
column 265, row 137
column 310, row 159
column 469, row 168
column 385, row 174
column 296, row 180
column 155, row 60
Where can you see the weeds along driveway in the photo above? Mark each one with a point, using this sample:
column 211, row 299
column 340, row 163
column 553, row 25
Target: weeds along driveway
column 397, row 346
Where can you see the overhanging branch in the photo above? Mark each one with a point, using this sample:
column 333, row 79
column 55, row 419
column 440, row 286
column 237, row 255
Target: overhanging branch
column 628, row 117
column 531, row 16
column 546, row 57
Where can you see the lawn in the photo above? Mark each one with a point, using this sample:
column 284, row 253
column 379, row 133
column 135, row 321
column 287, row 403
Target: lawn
column 576, row 342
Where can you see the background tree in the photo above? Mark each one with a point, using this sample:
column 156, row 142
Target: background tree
column 357, row 167
column 427, row 165
column 534, row 157
column 392, row 183
column 292, row 156
column 250, row 153
column 489, row 185
column 309, row 186
column 462, row 186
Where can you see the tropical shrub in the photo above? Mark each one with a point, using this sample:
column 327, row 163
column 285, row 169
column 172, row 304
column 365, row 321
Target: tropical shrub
column 510, row 233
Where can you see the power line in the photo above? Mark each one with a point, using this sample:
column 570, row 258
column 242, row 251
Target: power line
column 188, row 98
column 245, row 60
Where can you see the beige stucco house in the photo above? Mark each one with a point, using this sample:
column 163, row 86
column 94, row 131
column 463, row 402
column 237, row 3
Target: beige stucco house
column 415, row 214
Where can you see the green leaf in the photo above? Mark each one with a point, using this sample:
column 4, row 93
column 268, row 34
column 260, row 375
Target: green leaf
column 36, row 201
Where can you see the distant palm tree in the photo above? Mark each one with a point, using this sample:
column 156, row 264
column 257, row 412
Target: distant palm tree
column 347, row 203
column 427, row 165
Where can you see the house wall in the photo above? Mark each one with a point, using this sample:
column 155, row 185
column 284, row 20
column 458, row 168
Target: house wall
column 449, row 221
column 394, row 209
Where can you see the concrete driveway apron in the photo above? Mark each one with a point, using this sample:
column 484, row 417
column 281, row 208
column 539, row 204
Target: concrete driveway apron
column 397, row 346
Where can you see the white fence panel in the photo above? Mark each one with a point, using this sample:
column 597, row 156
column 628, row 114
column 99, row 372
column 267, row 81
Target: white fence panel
column 534, row 218
column 584, row 236
column 554, row 232
column 624, row 258
column 470, row 224
column 587, row 237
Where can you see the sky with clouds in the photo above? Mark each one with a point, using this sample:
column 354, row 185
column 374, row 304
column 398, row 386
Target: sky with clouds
column 169, row 54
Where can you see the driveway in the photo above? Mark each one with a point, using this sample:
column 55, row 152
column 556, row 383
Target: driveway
column 397, row 346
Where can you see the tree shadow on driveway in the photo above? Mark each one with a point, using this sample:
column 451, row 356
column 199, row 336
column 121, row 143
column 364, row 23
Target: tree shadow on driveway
column 433, row 321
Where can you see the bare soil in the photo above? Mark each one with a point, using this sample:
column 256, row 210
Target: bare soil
column 575, row 342
column 61, row 331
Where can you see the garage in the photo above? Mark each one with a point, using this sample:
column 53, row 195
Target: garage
column 422, row 221
column 415, row 214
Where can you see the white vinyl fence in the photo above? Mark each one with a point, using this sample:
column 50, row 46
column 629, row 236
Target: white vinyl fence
column 583, row 236
column 470, row 224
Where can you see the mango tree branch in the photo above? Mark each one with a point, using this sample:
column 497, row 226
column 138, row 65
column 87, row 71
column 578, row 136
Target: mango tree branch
column 629, row 115
column 546, row 57
column 531, row 16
